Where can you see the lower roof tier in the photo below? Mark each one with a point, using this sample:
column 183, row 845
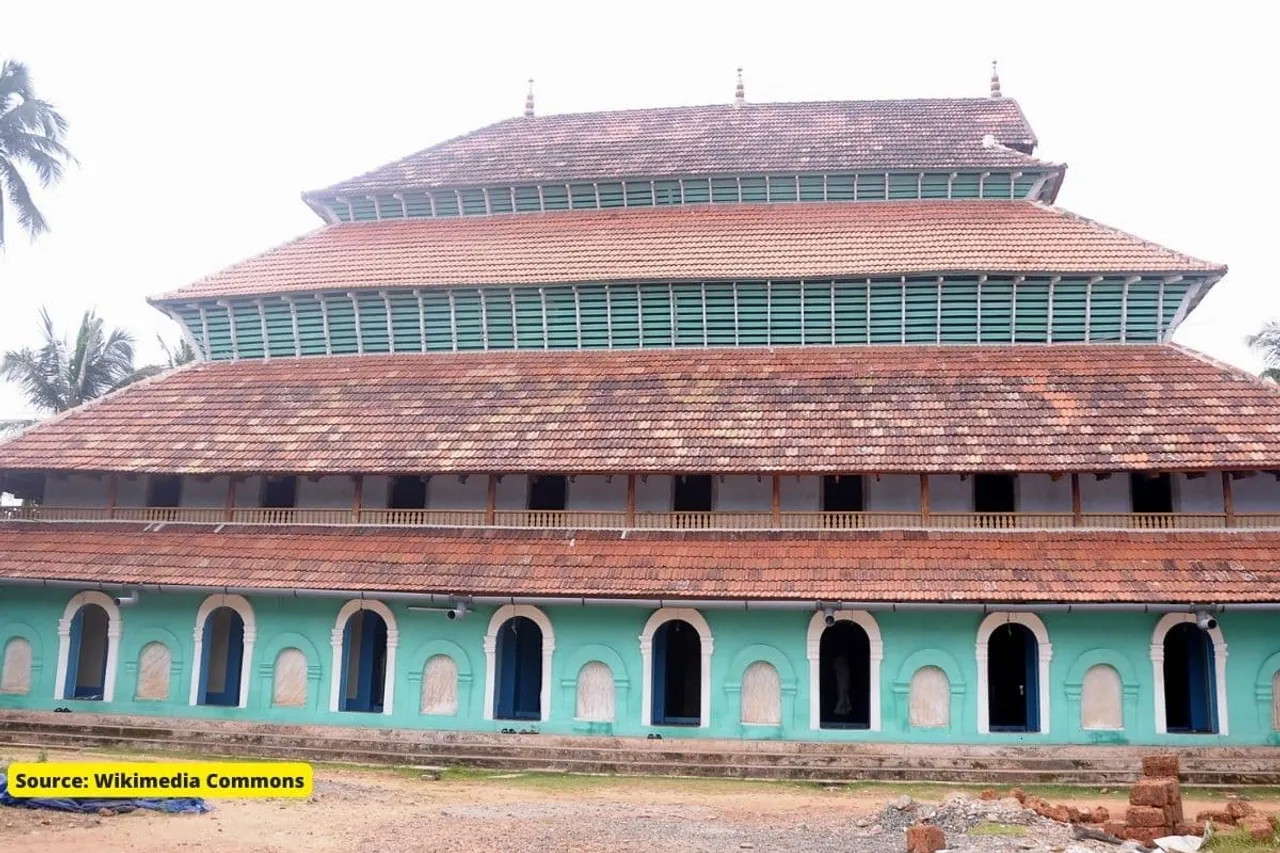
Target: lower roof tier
column 899, row 409
column 864, row 566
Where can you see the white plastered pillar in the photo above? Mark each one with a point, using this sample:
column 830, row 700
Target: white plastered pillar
column 348, row 610
column 817, row 625
column 1163, row 627
column 115, row 626
column 706, row 647
column 1044, row 657
column 240, row 605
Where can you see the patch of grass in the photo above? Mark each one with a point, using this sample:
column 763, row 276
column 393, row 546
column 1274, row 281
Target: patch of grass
column 1240, row 842
column 43, row 756
column 998, row 829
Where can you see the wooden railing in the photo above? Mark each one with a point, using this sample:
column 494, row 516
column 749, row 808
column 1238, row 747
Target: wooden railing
column 620, row 520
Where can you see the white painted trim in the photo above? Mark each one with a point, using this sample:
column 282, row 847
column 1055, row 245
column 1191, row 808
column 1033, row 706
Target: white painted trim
column 1045, row 649
column 335, row 641
column 114, row 626
column 240, row 605
column 500, row 618
column 1166, row 624
column 656, row 621
column 817, row 625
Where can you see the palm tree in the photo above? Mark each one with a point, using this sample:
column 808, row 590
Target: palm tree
column 1267, row 344
column 60, row 375
column 31, row 135
column 178, row 354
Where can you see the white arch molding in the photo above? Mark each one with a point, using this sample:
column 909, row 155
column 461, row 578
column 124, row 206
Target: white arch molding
column 114, row 627
column 240, row 605
column 656, row 621
column 1045, row 650
column 1163, row 627
column 348, row 610
column 817, row 625
column 500, row 618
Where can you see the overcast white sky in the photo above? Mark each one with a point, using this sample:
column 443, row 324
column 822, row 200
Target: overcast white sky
column 197, row 132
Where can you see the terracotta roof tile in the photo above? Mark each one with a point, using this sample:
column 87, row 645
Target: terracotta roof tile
column 718, row 139
column 801, row 409
column 726, row 242
column 862, row 566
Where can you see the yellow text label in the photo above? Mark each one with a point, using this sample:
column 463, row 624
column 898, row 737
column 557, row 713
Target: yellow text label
column 156, row 779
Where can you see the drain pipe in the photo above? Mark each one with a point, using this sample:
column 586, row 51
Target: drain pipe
column 125, row 601
column 447, row 601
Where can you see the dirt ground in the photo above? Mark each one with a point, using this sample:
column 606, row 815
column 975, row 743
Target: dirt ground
column 378, row 809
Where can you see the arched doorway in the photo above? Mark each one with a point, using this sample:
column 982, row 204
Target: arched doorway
column 518, row 667
column 844, row 677
column 1189, row 681
column 89, row 648
column 677, row 674
column 364, row 663
column 222, row 658
column 1013, row 679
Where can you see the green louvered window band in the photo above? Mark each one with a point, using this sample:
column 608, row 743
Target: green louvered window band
column 952, row 310
column 731, row 189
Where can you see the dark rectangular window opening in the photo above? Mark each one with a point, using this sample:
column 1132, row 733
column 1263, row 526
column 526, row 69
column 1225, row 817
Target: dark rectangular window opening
column 993, row 493
column 408, row 493
column 842, row 493
column 548, row 492
column 692, row 493
column 280, row 492
column 164, row 491
column 1151, row 492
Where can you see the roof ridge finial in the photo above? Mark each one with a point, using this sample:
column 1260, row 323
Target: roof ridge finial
column 528, row 101
column 739, row 96
column 995, row 81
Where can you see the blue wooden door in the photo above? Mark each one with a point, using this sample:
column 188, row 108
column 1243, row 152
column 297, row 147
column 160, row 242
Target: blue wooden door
column 69, row 689
column 507, row 667
column 373, row 659
column 1032, row 679
column 529, row 671
column 370, row 672
column 1199, row 680
column 226, row 694
column 518, row 671
column 659, row 710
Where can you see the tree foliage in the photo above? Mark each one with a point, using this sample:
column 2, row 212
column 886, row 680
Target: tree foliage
column 32, row 135
column 1267, row 344
column 61, row 374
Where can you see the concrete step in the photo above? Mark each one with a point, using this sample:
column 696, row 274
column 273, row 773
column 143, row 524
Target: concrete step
column 836, row 762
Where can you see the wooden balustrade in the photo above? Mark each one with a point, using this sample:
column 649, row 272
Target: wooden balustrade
column 770, row 519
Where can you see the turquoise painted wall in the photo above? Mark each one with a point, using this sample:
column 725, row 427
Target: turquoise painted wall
column 911, row 640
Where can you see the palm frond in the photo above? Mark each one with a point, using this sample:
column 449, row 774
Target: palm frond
column 31, row 136
column 29, row 216
column 58, row 376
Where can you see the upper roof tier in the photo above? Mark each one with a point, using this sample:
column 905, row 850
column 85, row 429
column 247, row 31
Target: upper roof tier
column 825, row 136
column 709, row 243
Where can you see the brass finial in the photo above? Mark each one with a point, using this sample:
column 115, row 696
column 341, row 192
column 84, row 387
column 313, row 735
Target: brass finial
column 528, row 101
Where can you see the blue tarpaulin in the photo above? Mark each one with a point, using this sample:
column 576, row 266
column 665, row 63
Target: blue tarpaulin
column 115, row 805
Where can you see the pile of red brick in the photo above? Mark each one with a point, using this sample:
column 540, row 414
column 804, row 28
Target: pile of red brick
column 1242, row 815
column 1062, row 814
column 1155, row 804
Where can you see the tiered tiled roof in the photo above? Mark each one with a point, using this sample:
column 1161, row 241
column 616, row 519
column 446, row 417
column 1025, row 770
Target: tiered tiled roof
column 731, row 242
column 803, row 409
column 722, row 139
column 864, row 566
